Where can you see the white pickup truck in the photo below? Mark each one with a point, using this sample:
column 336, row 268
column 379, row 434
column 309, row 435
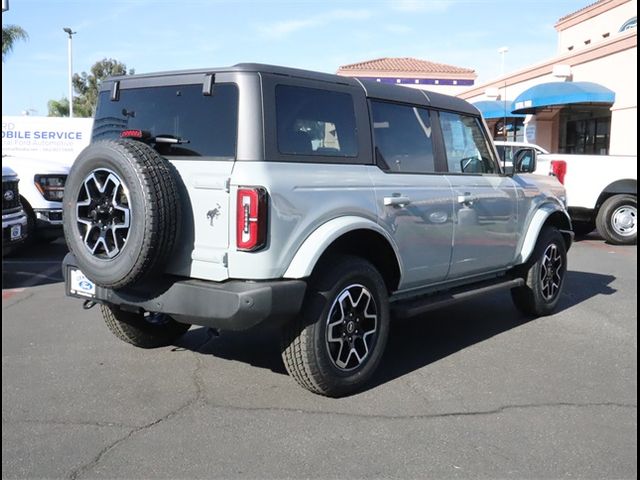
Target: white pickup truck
column 601, row 192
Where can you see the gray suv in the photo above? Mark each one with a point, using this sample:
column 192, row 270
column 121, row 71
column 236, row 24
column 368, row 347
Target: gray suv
column 315, row 204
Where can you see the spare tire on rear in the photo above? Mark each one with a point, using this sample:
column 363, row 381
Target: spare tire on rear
column 121, row 211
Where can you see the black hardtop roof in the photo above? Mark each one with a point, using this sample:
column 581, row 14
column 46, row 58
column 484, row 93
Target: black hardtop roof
column 372, row 88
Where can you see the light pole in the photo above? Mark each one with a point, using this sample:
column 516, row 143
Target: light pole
column 502, row 51
column 68, row 31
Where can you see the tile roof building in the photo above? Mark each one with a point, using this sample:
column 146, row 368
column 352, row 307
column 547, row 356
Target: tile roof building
column 412, row 72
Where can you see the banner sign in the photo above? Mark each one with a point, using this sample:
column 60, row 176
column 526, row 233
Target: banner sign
column 58, row 138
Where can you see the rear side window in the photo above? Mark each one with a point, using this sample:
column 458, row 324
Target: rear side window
column 402, row 136
column 205, row 125
column 311, row 121
column 466, row 146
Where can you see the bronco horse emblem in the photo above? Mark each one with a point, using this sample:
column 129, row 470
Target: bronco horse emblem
column 213, row 214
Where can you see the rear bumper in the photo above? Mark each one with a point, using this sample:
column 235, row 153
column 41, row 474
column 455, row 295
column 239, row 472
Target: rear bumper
column 229, row 305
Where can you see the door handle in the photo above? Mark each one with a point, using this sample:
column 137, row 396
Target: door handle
column 467, row 199
column 396, row 201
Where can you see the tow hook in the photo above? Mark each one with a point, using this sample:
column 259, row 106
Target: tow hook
column 88, row 304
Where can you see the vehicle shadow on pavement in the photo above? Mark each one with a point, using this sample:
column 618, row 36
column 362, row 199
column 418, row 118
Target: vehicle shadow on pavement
column 258, row 347
column 37, row 264
column 414, row 343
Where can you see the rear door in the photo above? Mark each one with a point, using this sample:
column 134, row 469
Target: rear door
column 197, row 133
column 414, row 201
column 485, row 201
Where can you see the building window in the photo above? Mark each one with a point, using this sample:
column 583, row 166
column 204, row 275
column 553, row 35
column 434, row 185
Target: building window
column 629, row 24
column 514, row 131
column 588, row 136
column 587, row 42
column 605, row 35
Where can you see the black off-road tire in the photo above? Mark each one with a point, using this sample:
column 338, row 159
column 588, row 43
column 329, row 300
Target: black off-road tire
column 138, row 329
column 533, row 299
column 607, row 224
column 305, row 344
column 151, row 182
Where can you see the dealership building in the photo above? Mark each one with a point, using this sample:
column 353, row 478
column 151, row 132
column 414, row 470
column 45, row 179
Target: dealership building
column 584, row 99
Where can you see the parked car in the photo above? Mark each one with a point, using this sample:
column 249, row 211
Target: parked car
column 41, row 191
column 311, row 203
column 14, row 219
column 602, row 193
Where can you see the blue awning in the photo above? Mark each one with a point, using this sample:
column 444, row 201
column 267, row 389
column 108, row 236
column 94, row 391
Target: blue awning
column 491, row 109
column 562, row 93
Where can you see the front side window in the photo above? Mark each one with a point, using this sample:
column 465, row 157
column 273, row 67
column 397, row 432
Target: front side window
column 466, row 146
column 311, row 121
column 402, row 136
column 199, row 125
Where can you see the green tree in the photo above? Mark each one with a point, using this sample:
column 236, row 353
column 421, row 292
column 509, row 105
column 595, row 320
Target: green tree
column 58, row 108
column 11, row 34
column 87, row 85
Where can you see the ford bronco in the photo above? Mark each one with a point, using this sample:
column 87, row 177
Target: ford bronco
column 312, row 203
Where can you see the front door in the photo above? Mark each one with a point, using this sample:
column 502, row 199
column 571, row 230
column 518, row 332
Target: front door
column 485, row 201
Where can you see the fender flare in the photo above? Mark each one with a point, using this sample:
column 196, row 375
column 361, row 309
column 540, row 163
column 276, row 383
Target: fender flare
column 538, row 221
column 307, row 256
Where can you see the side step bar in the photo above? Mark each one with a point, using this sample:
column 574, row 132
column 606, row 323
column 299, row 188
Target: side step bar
column 425, row 303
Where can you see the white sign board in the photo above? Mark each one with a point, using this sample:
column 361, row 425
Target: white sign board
column 58, row 138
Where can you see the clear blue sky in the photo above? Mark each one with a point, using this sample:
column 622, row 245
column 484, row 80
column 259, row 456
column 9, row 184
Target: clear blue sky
column 158, row 35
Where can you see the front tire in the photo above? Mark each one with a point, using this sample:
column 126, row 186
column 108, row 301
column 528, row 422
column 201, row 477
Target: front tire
column 617, row 220
column 337, row 342
column 544, row 276
column 144, row 330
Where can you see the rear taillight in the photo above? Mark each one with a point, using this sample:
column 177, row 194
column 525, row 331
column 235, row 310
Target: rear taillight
column 251, row 228
column 559, row 169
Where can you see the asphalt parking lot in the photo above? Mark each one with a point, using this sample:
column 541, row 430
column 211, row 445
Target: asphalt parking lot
column 473, row 391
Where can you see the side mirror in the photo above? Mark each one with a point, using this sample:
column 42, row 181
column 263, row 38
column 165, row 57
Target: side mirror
column 525, row 160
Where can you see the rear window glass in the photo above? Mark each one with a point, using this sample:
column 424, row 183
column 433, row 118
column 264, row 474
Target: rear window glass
column 311, row 121
column 204, row 125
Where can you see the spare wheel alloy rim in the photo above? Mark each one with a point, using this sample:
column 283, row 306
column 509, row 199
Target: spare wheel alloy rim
column 104, row 213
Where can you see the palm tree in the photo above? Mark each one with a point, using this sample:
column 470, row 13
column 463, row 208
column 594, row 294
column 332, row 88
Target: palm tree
column 10, row 34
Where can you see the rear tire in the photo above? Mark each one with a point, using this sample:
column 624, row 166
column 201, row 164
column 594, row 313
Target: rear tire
column 544, row 275
column 337, row 341
column 617, row 220
column 144, row 330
